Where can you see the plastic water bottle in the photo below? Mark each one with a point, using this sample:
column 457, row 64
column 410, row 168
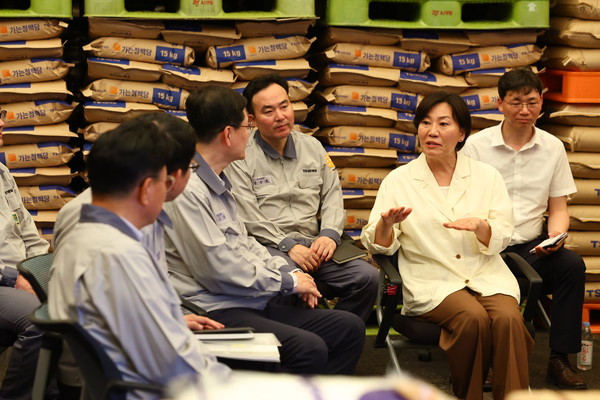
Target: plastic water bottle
column 584, row 358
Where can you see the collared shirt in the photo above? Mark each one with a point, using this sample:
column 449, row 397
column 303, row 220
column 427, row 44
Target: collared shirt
column 152, row 235
column 20, row 238
column 212, row 260
column 280, row 197
column 533, row 174
column 435, row 261
column 105, row 279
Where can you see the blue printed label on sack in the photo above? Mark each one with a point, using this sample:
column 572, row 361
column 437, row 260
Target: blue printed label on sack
column 406, row 158
column 112, row 104
column 14, row 43
column 53, row 144
column 230, row 54
column 177, row 113
column 402, row 116
column 22, row 170
column 334, row 107
column 406, row 102
column 47, row 231
column 472, row 101
column 183, row 70
column 42, row 102
column 338, row 149
column 353, row 192
column 165, row 97
column 347, row 66
column 255, row 63
column 16, row 86
column 465, row 62
column 418, row 76
column 56, row 187
column 29, row 128
column 403, row 141
column 3, row 158
column 490, row 71
column 170, row 54
column 486, row 112
column 109, row 60
column 407, row 60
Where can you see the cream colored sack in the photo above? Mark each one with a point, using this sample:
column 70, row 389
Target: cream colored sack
column 485, row 118
column 430, row 82
column 489, row 57
column 502, row 37
column 47, row 197
column 115, row 111
column 361, row 157
column 159, row 94
column 377, row 56
column 591, row 295
column 584, row 217
column 362, row 178
column 38, row 134
column 42, row 112
column 588, row 192
column 571, row 58
column 585, row 9
column 258, row 49
column 359, row 198
column 33, row 70
column 199, row 36
column 43, row 176
column 50, row 154
column 490, row 77
column 154, row 51
column 344, row 74
column 92, row 132
column 356, row 218
column 371, row 96
column 140, row 29
column 301, row 110
column 20, row 50
column 435, row 43
column 584, row 243
column 331, row 115
column 20, row 92
column 584, row 165
column 281, row 27
column 366, row 136
column 44, row 218
column 299, row 89
column 371, row 36
column 576, row 138
column 30, row 29
column 481, row 98
column 129, row 70
column 573, row 114
column 292, row 68
column 573, row 32
column 192, row 77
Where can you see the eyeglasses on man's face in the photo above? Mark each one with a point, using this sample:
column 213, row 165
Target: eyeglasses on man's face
column 532, row 105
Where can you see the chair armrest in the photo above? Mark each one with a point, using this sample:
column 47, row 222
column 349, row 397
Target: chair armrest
column 535, row 282
column 390, row 293
column 193, row 308
column 385, row 263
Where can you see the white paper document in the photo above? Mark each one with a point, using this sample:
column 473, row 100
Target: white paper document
column 262, row 347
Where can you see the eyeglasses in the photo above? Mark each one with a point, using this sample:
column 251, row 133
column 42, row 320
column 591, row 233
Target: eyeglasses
column 194, row 166
column 248, row 127
column 3, row 115
column 518, row 106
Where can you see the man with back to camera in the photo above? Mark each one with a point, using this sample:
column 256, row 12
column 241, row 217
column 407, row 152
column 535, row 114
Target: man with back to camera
column 536, row 171
column 102, row 261
column 289, row 197
column 216, row 265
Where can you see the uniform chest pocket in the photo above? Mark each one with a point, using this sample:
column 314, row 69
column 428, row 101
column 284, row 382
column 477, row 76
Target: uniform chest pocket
column 265, row 190
column 309, row 182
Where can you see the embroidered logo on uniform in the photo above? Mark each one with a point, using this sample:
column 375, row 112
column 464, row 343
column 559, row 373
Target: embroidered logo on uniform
column 328, row 162
column 262, row 180
column 220, row 216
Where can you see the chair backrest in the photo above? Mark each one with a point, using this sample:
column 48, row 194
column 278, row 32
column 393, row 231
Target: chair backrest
column 37, row 271
column 97, row 369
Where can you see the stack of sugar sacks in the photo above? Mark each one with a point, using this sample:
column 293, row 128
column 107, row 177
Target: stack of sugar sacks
column 365, row 121
column 573, row 79
column 125, row 62
column 578, row 126
column 487, row 56
column 33, row 92
column 269, row 47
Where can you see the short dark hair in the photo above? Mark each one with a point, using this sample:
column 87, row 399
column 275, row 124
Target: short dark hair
column 184, row 140
column 522, row 80
column 211, row 108
column 460, row 112
column 261, row 83
column 121, row 158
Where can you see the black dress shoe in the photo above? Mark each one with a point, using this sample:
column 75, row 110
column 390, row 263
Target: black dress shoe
column 561, row 374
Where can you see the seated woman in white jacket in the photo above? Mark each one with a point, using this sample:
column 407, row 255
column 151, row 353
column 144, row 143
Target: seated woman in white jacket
column 449, row 217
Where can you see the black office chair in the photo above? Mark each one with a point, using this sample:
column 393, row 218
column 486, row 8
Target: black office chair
column 411, row 332
column 37, row 271
column 101, row 377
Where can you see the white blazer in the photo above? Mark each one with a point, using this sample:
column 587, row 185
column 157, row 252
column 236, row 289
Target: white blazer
column 435, row 261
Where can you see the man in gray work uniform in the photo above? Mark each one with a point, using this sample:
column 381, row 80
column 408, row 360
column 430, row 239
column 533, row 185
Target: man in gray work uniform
column 215, row 264
column 289, row 197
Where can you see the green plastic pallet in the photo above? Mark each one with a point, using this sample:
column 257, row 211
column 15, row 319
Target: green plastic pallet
column 463, row 14
column 41, row 8
column 206, row 9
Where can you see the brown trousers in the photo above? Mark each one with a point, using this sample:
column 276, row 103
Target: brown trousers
column 479, row 332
